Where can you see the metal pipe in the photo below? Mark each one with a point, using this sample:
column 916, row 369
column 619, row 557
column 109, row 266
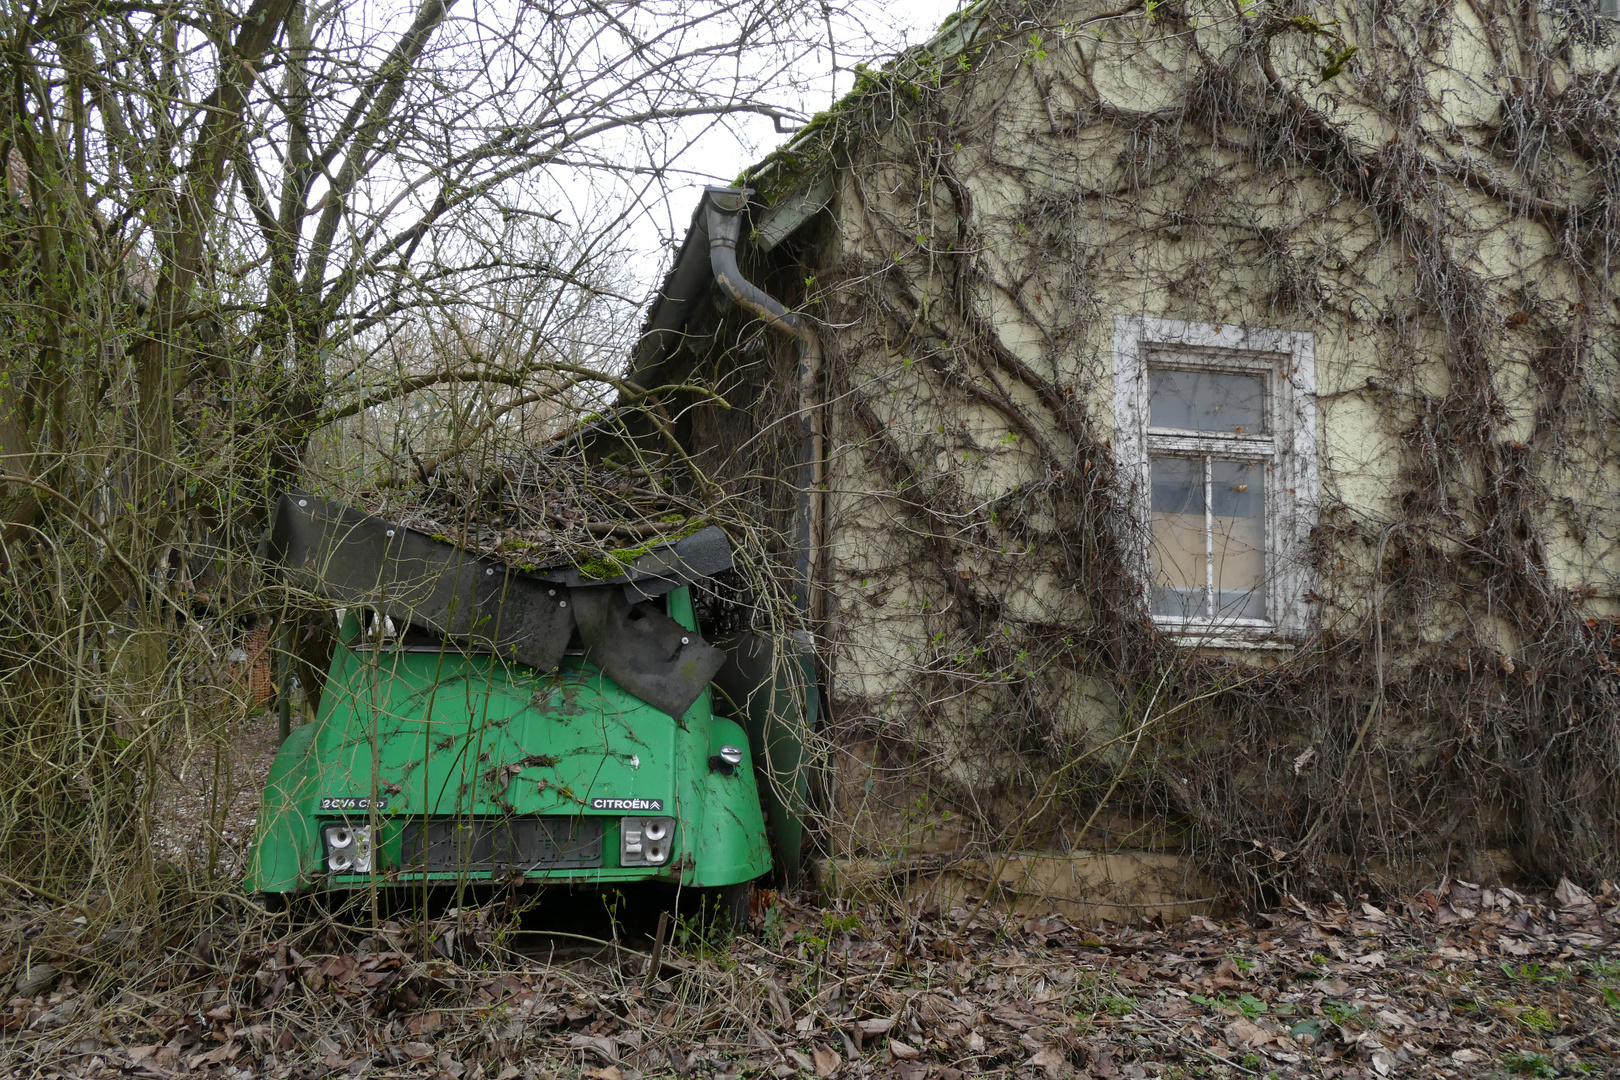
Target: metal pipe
column 723, row 209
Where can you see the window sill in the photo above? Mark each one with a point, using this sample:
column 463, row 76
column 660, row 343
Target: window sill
column 1226, row 637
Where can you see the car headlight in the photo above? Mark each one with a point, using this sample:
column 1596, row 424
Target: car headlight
column 645, row 841
column 348, row 848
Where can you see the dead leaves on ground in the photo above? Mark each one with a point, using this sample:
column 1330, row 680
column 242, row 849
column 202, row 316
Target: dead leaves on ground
column 1461, row 981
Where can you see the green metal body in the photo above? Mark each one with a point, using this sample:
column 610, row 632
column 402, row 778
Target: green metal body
column 405, row 735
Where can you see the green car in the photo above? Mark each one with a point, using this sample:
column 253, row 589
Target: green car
column 486, row 724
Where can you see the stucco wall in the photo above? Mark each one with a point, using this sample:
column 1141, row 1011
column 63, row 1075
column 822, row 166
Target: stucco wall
column 1083, row 171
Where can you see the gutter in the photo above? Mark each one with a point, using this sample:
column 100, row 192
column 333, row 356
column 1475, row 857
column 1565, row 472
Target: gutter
column 722, row 217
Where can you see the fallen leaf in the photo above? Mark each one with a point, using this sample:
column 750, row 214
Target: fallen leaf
column 900, row 1051
column 35, row 979
column 1572, row 898
column 601, row 1044
column 1372, row 959
column 1049, row 1058
column 875, row 1026
column 826, row 1060
column 1246, row 1034
column 779, row 1004
column 606, row 1072
column 421, row 1022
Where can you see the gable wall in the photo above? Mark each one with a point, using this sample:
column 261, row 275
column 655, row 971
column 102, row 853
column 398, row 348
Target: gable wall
column 983, row 623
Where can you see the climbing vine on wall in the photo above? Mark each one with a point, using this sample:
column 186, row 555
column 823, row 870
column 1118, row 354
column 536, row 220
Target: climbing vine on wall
column 1431, row 189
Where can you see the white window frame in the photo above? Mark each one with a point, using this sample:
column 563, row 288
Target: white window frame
column 1287, row 360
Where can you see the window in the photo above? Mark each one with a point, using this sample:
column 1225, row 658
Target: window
column 1216, row 436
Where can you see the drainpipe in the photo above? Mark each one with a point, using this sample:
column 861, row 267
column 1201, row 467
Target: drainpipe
column 723, row 209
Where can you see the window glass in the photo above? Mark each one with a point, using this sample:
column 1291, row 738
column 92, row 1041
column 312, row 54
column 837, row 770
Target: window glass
column 1207, row 401
column 1180, row 567
column 1238, row 538
column 1209, row 538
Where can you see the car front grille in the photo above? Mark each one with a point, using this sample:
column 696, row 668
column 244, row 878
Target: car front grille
column 471, row 845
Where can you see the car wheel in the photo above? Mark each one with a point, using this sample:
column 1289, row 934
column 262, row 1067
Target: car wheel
column 735, row 902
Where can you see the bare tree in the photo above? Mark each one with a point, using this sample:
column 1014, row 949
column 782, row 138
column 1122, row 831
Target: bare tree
column 222, row 227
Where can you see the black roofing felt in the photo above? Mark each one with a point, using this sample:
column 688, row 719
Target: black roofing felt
column 526, row 615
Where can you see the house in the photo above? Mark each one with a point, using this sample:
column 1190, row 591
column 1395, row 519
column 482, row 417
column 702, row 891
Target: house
column 1188, row 430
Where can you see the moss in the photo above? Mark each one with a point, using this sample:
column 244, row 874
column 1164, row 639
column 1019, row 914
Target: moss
column 610, row 565
column 613, row 563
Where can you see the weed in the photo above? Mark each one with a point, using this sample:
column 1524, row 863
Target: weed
column 703, row 934
column 1119, row 1006
column 771, row 928
column 1347, row 1015
column 1530, row 1063
column 1603, row 969
column 841, row 924
column 1529, row 973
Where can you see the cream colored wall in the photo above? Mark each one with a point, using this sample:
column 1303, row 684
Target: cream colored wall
column 1051, row 291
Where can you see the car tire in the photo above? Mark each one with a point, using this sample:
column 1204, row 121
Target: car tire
column 735, row 902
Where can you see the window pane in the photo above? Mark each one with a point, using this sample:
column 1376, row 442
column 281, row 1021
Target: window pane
column 1178, row 523
column 1207, row 401
column 1238, row 505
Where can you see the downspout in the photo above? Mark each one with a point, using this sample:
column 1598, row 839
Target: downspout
column 723, row 209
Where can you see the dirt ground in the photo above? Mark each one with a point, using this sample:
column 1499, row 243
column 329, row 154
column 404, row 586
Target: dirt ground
column 1459, row 982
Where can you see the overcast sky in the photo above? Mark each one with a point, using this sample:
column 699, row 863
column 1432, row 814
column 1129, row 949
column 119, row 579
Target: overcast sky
column 721, row 152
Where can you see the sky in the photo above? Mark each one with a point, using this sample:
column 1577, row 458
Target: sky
column 725, row 149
